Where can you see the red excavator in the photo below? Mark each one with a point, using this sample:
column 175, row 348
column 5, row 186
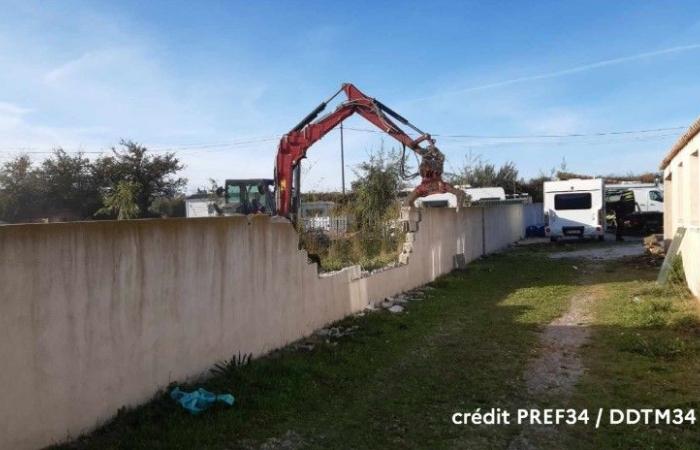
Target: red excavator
column 294, row 145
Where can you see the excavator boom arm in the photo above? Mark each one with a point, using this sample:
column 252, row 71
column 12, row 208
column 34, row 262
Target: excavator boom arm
column 293, row 145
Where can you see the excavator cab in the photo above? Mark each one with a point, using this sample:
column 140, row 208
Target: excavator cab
column 251, row 196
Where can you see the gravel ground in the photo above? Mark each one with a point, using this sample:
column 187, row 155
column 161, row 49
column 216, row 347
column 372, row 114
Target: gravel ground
column 607, row 252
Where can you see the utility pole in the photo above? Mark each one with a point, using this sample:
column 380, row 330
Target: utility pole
column 342, row 158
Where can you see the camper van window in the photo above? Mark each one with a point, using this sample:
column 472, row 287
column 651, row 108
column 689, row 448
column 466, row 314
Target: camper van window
column 572, row 201
column 657, row 196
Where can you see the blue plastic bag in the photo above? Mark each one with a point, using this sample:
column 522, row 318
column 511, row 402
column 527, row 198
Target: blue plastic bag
column 197, row 401
column 535, row 230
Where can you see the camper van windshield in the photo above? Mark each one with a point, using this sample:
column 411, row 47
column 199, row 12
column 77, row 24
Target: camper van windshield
column 572, row 201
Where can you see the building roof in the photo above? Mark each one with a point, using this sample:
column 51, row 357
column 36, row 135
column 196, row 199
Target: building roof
column 198, row 196
column 681, row 143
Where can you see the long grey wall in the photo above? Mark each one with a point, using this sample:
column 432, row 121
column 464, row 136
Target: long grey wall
column 533, row 214
column 99, row 315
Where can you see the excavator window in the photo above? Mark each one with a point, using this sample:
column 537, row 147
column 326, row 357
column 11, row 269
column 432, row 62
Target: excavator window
column 260, row 201
column 253, row 196
column 234, row 199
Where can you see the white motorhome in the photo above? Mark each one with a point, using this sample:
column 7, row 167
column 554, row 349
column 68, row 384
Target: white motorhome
column 648, row 197
column 484, row 193
column 574, row 208
column 448, row 200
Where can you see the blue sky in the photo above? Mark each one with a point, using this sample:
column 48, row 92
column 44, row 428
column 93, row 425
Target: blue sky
column 218, row 82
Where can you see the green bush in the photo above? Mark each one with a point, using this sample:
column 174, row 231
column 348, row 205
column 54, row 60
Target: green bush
column 375, row 237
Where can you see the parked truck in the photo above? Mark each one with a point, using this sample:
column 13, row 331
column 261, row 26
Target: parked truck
column 635, row 208
column 648, row 197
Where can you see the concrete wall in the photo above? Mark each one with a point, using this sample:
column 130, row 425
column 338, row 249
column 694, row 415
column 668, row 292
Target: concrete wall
column 533, row 214
column 99, row 315
column 682, row 207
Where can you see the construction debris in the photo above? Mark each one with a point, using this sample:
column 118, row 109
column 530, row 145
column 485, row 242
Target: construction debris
column 305, row 346
column 655, row 244
column 396, row 304
column 336, row 332
column 330, row 335
column 401, row 298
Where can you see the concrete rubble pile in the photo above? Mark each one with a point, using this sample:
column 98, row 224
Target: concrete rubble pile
column 396, row 304
column 655, row 244
column 330, row 335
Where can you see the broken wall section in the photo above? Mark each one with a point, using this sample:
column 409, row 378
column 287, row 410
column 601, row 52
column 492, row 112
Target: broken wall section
column 95, row 316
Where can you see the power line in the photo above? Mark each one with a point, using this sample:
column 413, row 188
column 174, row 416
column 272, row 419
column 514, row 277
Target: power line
column 536, row 136
column 548, row 142
column 199, row 146
column 216, row 145
column 245, row 144
column 241, row 144
column 24, row 150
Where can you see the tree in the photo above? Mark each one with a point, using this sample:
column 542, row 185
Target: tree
column 121, row 201
column 507, row 177
column 477, row 173
column 535, row 187
column 472, row 172
column 20, row 190
column 68, row 185
column 168, row 207
column 72, row 187
column 153, row 176
column 62, row 185
column 376, row 189
column 483, row 175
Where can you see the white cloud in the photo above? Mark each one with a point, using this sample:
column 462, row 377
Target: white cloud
column 113, row 78
column 568, row 71
column 114, row 83
column 10, row 109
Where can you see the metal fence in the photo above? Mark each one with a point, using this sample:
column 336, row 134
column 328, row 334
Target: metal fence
column 329, row 224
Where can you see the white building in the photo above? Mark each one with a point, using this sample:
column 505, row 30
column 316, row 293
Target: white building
column 682, row 204
column 197, row 205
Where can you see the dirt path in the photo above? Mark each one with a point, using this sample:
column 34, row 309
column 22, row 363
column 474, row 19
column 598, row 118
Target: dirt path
column 558, row 366
column 554, row 372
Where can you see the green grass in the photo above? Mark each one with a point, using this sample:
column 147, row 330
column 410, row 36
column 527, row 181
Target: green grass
column 398, row 379
column 393, row 384
column 645, row 353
